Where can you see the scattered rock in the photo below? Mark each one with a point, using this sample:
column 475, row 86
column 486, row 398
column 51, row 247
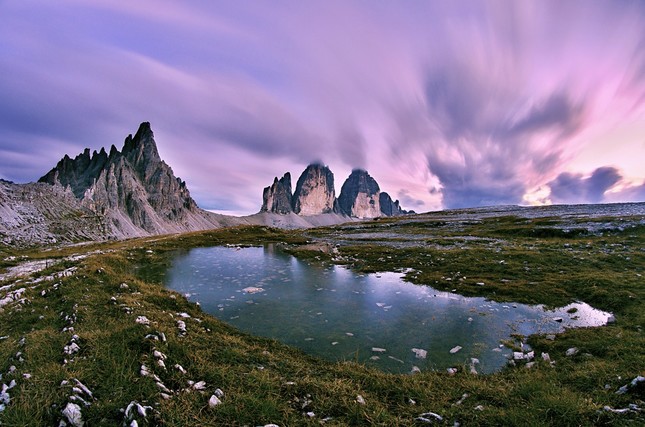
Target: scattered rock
column 214, row 401
column 199, row 386
column 633, row 384
column 360, row 400
column 455, row 349
column 181, row 325
column 73, row 414
column 572, row 352
column 142, row 320
column 429, row 417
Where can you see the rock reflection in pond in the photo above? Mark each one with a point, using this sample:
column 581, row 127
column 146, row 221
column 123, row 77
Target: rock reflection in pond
column 266, row 292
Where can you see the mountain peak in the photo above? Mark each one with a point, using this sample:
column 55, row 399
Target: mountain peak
column 359, row 196
column 315, row 192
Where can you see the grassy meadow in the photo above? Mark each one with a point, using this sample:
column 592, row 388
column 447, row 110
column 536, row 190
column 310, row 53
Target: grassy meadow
column 101, row 325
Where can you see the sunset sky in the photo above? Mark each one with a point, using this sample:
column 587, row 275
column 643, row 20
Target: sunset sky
column 446, row 104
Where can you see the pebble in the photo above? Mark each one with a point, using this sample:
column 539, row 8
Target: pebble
column 360, row 400
column 429, row 417
column 572, row 351
column 420, row 353
column 455, row 349
column 142, row 320
column 214, row 401
column 73, row 414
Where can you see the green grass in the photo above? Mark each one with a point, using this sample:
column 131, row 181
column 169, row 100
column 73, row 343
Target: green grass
column 267, row 382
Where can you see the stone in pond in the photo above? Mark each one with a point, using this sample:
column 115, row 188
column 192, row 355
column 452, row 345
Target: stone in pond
column 420, row 353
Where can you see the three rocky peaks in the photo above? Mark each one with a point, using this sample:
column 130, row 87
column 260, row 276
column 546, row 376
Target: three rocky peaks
column 360, row 195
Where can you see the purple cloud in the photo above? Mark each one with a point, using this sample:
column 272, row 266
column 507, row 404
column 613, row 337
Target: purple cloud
column 575, row 188
column 481, row 101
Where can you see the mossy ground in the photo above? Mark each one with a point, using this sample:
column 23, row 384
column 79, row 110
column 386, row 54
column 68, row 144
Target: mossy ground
column 517, row 259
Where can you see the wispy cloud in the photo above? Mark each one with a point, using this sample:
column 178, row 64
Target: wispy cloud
column 451, row 103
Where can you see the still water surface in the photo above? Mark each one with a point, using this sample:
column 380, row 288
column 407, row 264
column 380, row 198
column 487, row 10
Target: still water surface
column 376, row 319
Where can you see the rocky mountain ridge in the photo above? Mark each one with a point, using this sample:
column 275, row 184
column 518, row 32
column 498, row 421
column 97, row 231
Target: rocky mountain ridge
column 360, row 196
column 99, row 196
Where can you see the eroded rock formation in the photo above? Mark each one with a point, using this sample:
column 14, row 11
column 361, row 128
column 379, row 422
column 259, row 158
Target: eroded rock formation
column 314, row 192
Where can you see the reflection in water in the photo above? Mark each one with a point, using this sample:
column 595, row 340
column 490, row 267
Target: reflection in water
column 375, row 319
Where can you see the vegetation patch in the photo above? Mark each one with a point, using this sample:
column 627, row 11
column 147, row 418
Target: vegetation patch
column 112, row 342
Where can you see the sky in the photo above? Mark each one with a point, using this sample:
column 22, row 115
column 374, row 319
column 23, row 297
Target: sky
column 447, row 104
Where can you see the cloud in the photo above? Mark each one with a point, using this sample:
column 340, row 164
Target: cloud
column 575, row 188
column 482, row 101
column 407, row 201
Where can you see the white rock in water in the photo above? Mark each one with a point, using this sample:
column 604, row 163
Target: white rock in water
column 420, row 353
column 73, row 414
column 252, row 290
column 214, row 401
column 455, row 349
column 572, row 351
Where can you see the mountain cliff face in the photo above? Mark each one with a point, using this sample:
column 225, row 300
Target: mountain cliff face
column 315, row 192
column 277, row 197
column 390, row 208
column 359, row 196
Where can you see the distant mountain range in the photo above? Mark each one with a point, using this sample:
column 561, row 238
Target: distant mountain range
column 133, row 192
